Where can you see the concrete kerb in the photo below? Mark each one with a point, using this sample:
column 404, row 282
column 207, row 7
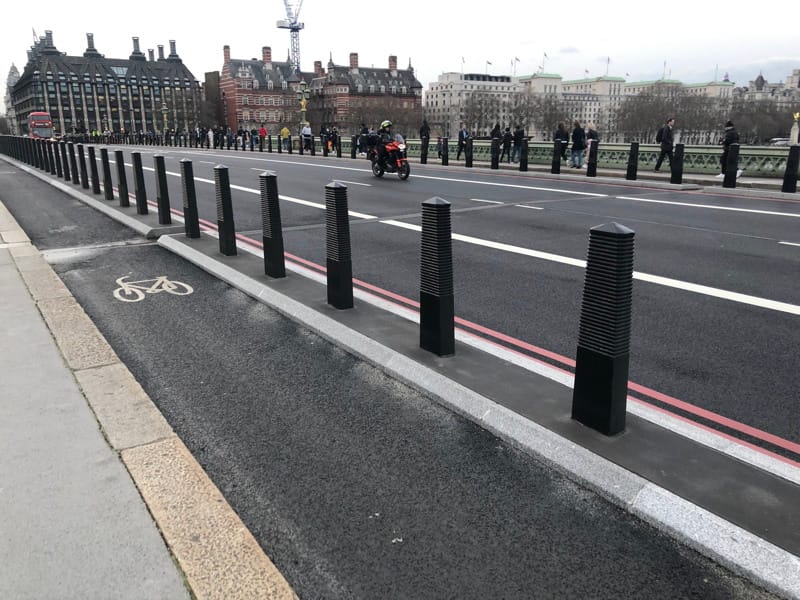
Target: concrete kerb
column 216, row 554
column 733, row 547
column 145, row 225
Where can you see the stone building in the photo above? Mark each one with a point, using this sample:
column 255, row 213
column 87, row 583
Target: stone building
column 11, row 80
column 94, row 93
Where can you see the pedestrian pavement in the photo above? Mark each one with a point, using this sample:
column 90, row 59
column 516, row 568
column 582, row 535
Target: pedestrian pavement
column 101, row 499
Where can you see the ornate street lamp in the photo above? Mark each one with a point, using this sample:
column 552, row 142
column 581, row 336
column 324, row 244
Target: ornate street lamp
column 164, row 112
column 303, row 94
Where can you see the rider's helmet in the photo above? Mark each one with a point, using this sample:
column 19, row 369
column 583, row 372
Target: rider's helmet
column 386, row 124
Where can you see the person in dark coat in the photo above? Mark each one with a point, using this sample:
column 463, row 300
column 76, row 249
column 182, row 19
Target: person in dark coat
column 731, row 137
column 507, row 139
column 578, row 145
column 562, row 136
column 516, row 151
column 667, row 140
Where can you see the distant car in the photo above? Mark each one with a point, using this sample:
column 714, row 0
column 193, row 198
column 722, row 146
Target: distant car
column 780, row 142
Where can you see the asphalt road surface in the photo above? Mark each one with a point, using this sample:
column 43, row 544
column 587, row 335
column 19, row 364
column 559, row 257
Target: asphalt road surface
column 355, row 485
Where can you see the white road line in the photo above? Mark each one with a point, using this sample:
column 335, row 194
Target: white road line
column 789, row 243
column 646, row 277
column 530, row 207
column 713, row 207
column 353, row 182
column 487, row 201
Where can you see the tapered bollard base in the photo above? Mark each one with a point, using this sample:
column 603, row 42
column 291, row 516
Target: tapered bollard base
column 436, row 332
column 340, row 283
column 600, row 392
column 274, row 265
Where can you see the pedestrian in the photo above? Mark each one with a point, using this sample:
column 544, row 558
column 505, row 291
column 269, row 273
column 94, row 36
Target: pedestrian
column 306, row 133
column 363, row 137
column 578, row 144
column 507, row 139
column 463, row 134
column 731, row 137
column 262, row 132
column 592, row 137
column 424, row 132
column 516, row 151
column 666, row 138
column 439, row 146
column 285, row 133
column 562, row 136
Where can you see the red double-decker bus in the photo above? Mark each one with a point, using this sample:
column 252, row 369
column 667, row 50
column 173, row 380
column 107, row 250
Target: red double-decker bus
column 40, row 126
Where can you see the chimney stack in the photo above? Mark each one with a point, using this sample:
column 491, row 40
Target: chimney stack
column 393, row 63
column 90, row 40
column 318, row 68
column 161, row 52
column 354, row 60
column 266, row 54
column 226, row 51
column 136, row 46
column 173, row 53
column 150, row 53
column 48, row 36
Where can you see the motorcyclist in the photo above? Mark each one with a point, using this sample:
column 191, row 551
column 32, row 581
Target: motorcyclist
column 385, row 134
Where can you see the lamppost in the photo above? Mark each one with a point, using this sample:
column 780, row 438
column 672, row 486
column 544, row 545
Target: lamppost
column 303, row 94
column 164, row 112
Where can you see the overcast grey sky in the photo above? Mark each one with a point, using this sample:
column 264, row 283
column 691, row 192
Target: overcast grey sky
column 685, row 40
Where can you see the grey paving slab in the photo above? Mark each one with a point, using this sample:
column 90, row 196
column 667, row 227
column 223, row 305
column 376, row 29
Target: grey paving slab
column 73, row 525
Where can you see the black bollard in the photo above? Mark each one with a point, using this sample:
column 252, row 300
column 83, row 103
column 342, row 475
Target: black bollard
column 57, row 156
column 65, row 160
column 633, row 162
column 353, row 144
column 790, row 175
column 676, row 168
column 468, row 152
column 191, row 220
column 445, row 153
column 51, row 160
column 260, row 144
column 108, row 186
column 269, row 144
column 323, row 140
column 313, row 146
column 225, row 226
column 337, row 247
column 272, row 231
column 495, row 164
column 523, row 155
column 162, row 191
column 290, row 145
column 122, row 179
column 555, row 165
column 423, row 150
column 93, row 170
column 140, row 191
column 301, row 146
column 591, row 161
column 601, row 368
column 338, row 147
column 731, row 165
column 280, row 144
column 436, row 308
column 84, row 174
column 73, row 164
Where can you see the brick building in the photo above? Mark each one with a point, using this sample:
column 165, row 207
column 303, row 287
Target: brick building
column 255, row 92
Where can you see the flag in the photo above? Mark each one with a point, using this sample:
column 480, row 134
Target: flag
column 516, row 59
column 462, row 60
column 545, row 54
column 488, row 63
column 586, row 71
column 627, row 74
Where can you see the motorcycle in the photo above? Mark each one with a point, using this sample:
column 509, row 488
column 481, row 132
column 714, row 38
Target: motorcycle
column 392, row 159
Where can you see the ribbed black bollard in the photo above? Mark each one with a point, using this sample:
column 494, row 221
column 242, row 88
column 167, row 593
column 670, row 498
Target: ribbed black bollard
column 260, row 144
column 313, row 147
column 790, row 175
column 272, row 231
column 138, row 184
column 65, row 161
column 353, row 145
column 108, row 186
column 523, row 155
column 73, row 164
column 191, row 220
column 495, row 164
column 301, row 145
column 44, row 162
column 555, row 164
column 84, row 174
column 280, row 144
column 337, row 245
column 93, row 171
column 601, row 371
column 323, row 140
column 51, row 158
column 38, row 160
column 731, row 166
column 676, row 168
column 289, row 147
column 162, row 191
column 423, row 150
column 338, row 147
column 468, row 153
column 633, row 162
column 591, row 161
column 225, row 226
column 57, row 154
column 445, row 152
column 436, row 308
column 269, row 144
column 122, row 179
